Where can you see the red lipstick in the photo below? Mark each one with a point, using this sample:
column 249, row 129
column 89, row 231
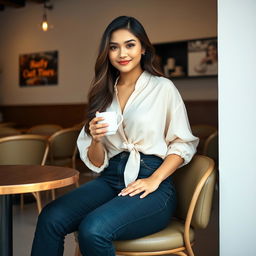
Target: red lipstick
column 124, row 62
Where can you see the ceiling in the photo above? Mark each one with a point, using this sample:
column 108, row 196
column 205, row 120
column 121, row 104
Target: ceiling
column 4, row 4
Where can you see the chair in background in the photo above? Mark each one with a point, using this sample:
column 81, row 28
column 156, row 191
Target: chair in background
column 7, row 124
column 24, row 150
column 202, row 131
column 63, row 149
column 44, row 129
column 211, row 147
column 8, row 131
column 195, row 186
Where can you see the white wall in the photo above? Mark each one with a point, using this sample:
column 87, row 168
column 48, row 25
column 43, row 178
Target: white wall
column 78, row 25
column 237, row 124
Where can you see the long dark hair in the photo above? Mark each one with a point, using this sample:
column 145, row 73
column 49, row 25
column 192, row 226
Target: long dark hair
column 102, row 88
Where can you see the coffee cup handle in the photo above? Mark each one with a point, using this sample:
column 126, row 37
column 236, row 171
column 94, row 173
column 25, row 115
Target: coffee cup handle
column 120, row 120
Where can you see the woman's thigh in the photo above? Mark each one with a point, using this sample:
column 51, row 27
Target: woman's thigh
column 126, row 217
column 69, row 209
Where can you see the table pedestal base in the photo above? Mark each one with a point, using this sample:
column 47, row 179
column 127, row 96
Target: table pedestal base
column 6, row 225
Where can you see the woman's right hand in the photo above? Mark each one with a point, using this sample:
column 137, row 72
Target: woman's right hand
column 97, row 130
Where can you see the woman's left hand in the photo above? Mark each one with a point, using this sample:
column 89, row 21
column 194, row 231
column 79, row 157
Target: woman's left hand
column 147, row 185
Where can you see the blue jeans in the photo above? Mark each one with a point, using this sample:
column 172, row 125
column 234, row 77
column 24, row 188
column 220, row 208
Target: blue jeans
column 101, row 216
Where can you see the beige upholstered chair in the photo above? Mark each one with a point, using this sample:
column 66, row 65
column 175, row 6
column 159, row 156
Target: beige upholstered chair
column 195, row 185
column 8, row 131
column 63, row 148
column 44, row 129
column 211, row 148
column 202, row 131
column 24, row 150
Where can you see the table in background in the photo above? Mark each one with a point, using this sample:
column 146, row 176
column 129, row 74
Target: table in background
column 18, row 179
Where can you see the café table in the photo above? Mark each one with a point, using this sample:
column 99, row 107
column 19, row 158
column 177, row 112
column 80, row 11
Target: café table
column 18, row 179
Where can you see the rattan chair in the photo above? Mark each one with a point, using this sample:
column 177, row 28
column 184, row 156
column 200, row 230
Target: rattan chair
column 195, row 186
column 24, row 150
column 63, row 149
column 202, row 131
column 44, row 129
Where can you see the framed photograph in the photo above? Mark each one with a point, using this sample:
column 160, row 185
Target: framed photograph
column 37, row 69
column 203, row 57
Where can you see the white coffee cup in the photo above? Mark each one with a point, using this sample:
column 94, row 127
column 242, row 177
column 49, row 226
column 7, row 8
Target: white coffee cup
column 111, row 118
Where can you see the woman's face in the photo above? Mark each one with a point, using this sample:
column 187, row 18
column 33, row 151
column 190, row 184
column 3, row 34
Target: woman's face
column 125, row 51
column 212, row 51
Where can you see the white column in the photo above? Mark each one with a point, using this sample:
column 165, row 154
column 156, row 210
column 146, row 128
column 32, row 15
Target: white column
column 237, row 122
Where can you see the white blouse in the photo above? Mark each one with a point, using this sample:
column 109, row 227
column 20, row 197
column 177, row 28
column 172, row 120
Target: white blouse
column 154, row 122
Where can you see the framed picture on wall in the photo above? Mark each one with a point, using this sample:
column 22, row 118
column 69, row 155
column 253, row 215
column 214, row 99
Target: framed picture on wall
column 202, row 57
column 37, row 69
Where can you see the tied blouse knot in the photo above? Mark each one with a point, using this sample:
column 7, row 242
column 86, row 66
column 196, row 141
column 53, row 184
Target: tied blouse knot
column 155, row 122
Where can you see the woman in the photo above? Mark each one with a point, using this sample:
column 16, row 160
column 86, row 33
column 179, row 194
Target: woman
column 209, row 64
column 134, row 195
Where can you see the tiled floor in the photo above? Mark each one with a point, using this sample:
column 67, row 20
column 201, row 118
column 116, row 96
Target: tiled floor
column 24, row 222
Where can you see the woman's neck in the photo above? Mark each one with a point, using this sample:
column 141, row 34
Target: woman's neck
column 130, row 78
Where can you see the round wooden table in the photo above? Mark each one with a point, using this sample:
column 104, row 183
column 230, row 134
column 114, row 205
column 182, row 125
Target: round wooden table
column 18, row 179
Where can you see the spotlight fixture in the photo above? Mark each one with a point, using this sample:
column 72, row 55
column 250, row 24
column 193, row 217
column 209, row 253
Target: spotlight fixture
column 44, row 24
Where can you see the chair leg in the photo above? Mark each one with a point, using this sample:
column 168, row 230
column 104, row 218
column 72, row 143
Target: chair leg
column 38, row 201
column 77, row 184
column 21, row 201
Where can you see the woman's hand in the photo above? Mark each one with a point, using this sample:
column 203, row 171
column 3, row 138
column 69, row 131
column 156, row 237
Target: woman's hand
column 97, row 131
column 147, row 185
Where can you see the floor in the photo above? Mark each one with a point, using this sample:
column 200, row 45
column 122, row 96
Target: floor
column 24, row 222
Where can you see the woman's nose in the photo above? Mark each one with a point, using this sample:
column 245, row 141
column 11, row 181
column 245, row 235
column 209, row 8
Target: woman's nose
column 123, row 52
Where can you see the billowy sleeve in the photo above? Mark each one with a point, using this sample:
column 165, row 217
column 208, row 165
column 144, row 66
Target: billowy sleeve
column 179, row 137
column 83, row 143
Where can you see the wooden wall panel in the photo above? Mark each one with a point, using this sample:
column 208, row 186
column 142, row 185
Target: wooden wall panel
column 28, row 115
column 199, row 112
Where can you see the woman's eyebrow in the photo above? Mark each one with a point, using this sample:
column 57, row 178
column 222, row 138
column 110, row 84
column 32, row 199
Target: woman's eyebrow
column 128, row 41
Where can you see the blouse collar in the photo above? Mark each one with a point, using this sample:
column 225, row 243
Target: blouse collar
column 141, row 82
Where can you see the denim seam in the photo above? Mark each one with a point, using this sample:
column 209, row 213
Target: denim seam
column 145, row 216
column 146, row 166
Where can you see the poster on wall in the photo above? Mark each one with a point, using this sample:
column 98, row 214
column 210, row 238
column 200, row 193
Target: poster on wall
column 37, row 69
column 202, row 57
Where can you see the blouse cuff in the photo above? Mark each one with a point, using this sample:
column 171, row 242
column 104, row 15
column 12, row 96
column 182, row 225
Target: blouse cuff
column 90, row 165
column 185, row 155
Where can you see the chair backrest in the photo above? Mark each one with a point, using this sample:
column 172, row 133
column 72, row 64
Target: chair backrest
column 199, row 173
column 7, row 124
column 63, row 143
column 211, row 147
column 23, row 150
column 44, row 129
column 202, row 131
column 8, row 131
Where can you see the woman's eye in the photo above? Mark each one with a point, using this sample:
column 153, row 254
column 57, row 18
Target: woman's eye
column 112, row 47
column 130, row 45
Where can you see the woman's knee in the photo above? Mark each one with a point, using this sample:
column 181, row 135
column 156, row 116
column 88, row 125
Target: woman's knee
column 52, row 218
column 94, row 228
